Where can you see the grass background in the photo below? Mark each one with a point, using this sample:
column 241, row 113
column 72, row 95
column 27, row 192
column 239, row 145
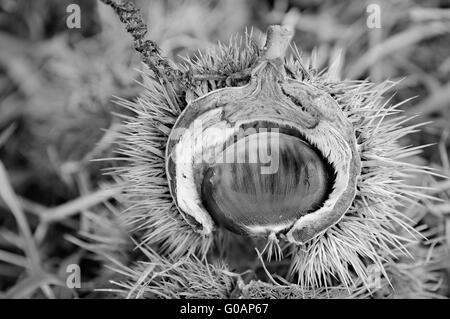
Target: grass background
column 56, row 88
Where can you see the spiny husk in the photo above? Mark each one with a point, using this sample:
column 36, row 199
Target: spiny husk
column 371, row 236
column 185, row 277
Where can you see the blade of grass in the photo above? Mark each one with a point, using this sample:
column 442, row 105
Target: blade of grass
column 405, row 39
column 9, row 197
column 75, row 206
column 28, row 286
column 13, row 259
column 6, row 134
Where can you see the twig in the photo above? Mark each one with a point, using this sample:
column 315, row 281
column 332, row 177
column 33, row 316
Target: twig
column 151, row 53
column 148, row 50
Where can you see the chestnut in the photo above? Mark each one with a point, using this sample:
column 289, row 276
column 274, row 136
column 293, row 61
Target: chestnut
column 276, row 155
